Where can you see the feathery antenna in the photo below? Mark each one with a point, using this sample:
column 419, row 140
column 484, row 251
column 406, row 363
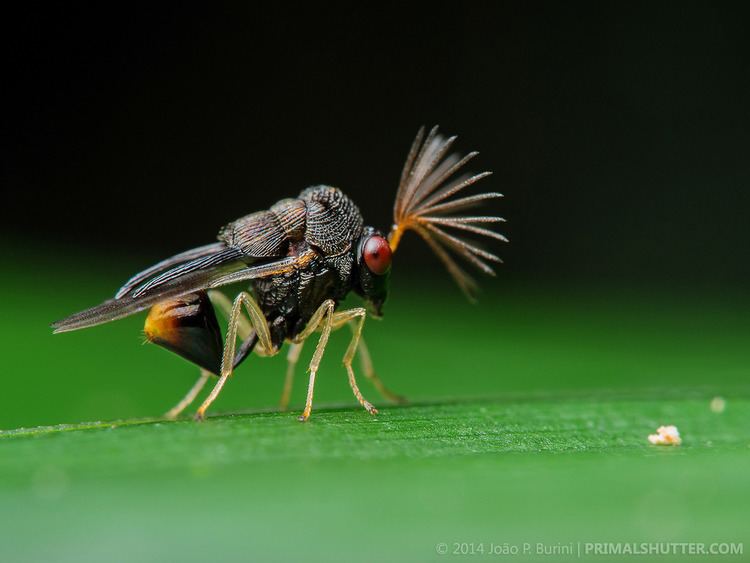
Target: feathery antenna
column 425, row 204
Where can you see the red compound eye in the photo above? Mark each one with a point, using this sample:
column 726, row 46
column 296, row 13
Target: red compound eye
column 377, row 255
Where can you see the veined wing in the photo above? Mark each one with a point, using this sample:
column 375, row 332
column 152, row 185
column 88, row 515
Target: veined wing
column 164, row 265
column 182, row 284
column 252, row 247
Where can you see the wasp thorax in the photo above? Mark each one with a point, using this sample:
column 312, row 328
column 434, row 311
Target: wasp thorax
column 187, row 326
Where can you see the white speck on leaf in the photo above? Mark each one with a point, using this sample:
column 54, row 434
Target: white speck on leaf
column 666, row 436
column 718, row 404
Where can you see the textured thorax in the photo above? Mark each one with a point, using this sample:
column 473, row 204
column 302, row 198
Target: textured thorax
column 321, row 223
column 334, row 222
column 322, row 216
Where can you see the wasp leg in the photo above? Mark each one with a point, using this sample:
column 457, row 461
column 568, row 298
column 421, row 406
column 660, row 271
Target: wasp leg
column 295, row 349
column 365, row 360
column 368, row 369
column 224, row 304
column 258, row 324
column 175, row 411
column 323, row 316
column 245, row 328
column 356, row 319
column 364, row 357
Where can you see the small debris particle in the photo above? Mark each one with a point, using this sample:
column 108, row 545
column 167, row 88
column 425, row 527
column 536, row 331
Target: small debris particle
column 666, row 436
column 718, row 404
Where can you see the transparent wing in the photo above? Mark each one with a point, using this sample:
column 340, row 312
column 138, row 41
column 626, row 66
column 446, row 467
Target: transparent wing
column 182, row 284
column 164, row 265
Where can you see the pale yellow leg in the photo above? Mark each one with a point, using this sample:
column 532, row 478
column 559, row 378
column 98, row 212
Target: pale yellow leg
column 258, row 323
column 357, row 319
column 368, row 369
column 365, row 360
column 324, row 316
column 224, row 304
column 175, row 411
column 326, row 320
column 245, row 327
column 295, row 349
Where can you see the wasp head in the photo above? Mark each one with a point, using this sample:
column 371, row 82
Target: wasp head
column 373, row 255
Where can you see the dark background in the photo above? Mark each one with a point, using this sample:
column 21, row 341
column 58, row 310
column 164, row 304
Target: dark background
column 618, row 133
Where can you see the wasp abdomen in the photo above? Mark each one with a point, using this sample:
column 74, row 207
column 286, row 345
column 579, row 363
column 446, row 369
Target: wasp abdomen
column 188, row 327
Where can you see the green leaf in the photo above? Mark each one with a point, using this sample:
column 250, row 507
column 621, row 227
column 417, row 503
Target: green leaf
column 346, row 486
